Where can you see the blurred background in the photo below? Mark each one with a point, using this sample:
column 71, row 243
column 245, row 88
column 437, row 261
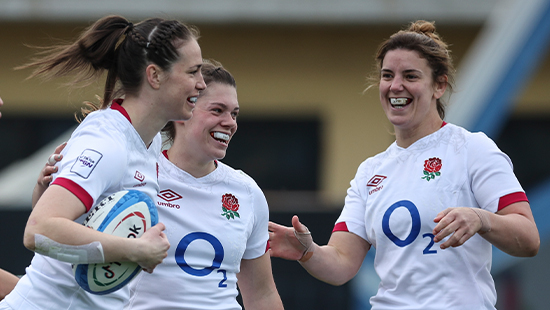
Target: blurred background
column 306, row 123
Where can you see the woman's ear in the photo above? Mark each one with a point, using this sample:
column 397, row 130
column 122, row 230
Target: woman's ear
column 153, row 73
column 440, row 86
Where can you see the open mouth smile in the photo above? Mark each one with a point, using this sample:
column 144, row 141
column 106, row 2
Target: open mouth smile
column 399, row 103
column 220, row 136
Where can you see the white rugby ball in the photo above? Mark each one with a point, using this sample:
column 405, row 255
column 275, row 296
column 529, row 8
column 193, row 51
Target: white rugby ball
column 129, row 214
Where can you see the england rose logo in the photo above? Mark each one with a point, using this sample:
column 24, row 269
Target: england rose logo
column 431, row 168
column 230, row 206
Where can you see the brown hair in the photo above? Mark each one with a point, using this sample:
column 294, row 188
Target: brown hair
column 212, row 72
column 115, row 45
column 421, row 37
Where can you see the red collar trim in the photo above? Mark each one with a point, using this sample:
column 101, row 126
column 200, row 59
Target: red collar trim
column 117, row 105
column 444, row 123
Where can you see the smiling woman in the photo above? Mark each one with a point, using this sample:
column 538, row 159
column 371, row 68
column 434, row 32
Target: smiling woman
column 432, row 204
column 216, row 217
column 149, row 67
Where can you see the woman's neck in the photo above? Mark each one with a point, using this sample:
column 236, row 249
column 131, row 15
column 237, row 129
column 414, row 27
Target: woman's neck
column 408, row 136
column 146, row 122
column 189, row 162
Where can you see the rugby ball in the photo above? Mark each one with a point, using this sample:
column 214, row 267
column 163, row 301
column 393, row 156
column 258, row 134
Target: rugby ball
column 127, row 214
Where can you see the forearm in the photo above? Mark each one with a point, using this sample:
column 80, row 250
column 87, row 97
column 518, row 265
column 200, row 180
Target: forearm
column 339, row 261
column 327, row 265
column 7, row 283
column 514, row 234
column 69, row 233
column 269, row 301
column 257, row 286
column 37, row 193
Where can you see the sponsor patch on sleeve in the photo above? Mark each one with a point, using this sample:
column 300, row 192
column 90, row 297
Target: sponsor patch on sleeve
column 86, row 163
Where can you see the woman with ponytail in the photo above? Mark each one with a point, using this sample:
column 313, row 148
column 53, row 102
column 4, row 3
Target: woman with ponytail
column 432, row 204
column 152, row 77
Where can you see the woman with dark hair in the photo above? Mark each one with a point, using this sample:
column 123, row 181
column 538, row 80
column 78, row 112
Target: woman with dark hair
column 152, row 77
column 436, row 184
column 216, row 217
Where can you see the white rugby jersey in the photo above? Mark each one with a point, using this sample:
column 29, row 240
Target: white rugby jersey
column 394, row 199
column 105, row 154
column 212, row 223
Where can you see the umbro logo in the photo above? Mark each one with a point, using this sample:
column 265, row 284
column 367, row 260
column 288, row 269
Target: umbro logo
column 138, row 176
column 168, row 195
column 375, row 182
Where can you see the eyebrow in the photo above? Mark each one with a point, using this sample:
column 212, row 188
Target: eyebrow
column 406, row 71
column 223, row 105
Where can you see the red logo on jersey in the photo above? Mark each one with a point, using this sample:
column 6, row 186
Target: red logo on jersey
column 138, row 176
column 376, row 180
column 431, row 168
column 169, row 195
column 230, row 206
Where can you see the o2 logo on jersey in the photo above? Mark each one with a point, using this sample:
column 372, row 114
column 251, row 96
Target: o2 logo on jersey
column 415, row 227
column 216, row 262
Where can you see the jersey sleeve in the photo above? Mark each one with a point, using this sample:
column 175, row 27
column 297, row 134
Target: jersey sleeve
column 91, row 163
column 256, row 244
column 353, row 214
column 492, row 178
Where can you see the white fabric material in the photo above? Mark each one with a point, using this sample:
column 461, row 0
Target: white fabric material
column 389, row 199
column 206, row 247
column 49, row 283
column 91, row 253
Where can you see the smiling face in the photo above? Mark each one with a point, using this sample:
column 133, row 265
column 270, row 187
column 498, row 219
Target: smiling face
column 181, row 85
column 207, row 134
column 408, row 95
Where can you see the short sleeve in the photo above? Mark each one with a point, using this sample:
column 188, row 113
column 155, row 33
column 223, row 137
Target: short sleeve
column 353, row 214
column 256, row 244
column 491, row 173
column 91, row 163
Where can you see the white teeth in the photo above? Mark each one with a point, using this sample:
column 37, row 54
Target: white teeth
column 193, row 99
column 222, row 136
column 399, row 101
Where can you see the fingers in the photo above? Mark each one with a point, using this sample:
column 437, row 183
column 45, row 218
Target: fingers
column 45, row 176
column 271, row 226
column 56, row 156
column 442, row 214
column 299, row 227
column 60, row 148
column 160, row 226
column 458, row 223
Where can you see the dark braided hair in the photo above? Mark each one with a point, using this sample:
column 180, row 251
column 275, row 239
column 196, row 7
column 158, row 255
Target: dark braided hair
column 115, row 45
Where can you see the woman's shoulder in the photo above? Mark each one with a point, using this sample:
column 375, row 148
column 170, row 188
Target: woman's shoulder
column 473, row 139
column 238, row 177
